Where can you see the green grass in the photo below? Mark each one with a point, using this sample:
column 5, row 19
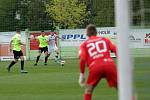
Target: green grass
column 55, row 83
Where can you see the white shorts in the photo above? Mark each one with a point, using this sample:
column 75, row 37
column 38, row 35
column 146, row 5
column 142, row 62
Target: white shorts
column 52, row 49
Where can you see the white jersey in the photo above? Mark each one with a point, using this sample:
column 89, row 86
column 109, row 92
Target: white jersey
column 52, row 40
column 52, row 43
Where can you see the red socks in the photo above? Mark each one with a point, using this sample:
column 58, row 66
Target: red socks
column 134, row 98
column 87, row 96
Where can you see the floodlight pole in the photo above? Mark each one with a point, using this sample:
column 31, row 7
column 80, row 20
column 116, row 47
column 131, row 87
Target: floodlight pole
column 124, row 62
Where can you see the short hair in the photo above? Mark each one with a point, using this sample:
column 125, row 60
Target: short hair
column 18, row 29
column 42, row 31
column 91, row 30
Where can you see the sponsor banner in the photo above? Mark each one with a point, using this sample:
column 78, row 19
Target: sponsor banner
column 140, row 38
column 71, row 39
column 8, row 58
column 147, row 40
column 75, row 37
column 135, row 39
column 5, row 38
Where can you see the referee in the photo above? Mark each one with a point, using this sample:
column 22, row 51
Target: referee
column 15, row 46
column 43, row 47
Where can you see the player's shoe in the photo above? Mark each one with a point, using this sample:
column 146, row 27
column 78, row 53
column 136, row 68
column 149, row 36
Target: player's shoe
column 56, row 60
column 24, row 71
column 8, row 69
column 35, row 64
column 45, row 64
column 62, row 63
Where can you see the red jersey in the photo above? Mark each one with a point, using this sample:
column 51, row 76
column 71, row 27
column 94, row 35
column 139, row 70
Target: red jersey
column 95, row 49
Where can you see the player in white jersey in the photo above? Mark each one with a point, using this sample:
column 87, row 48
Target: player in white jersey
column 52, row 47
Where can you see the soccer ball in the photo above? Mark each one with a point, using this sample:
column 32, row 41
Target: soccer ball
column 62, row 62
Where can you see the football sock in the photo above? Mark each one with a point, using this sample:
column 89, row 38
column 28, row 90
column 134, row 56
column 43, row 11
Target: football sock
column 87, row 96
column 56, row 57
column 134, row 98
column 46, row 58
column 22, row 64
column 11, row 64
column 37, row 59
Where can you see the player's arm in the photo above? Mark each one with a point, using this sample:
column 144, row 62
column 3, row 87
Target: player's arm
column 37, row 38
column 82, row 70
column 112, row 46
column 58, row 37
column 82, row 54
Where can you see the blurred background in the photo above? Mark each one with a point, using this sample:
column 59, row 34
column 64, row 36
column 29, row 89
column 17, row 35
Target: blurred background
column 33, row 14
column 37, row 15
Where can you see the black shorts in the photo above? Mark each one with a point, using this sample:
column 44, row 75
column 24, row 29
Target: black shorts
column 44, row 49
column 17, row 54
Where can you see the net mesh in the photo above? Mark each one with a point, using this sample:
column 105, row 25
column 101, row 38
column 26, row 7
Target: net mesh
column 140, row 13
column 140, row 20
column 32, row 15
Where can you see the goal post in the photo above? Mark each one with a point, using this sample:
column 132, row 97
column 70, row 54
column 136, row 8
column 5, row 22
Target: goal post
column 124, row 60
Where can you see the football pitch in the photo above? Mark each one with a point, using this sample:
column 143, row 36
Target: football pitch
column 52, row 82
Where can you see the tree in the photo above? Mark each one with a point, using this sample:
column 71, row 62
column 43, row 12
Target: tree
column 67, row 13
column 7, row 15
column 33, row 15
column 105, row 15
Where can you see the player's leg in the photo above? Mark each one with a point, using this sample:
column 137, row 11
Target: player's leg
column 57, row 57
column 11, row 64
column 111, row 75
column 14, row 61
column 88, row 92
column 38, row 57
column 94, row 77
column 22, row 63
column 46, row 55
column 51, row 49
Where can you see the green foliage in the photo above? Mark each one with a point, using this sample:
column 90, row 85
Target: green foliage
column 67, row 13
column 141, row 15
column 46, row 14
column 33, row 15
column 104, row 10
column 7, row 15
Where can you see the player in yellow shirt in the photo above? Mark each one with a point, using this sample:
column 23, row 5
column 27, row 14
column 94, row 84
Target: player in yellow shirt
column 15, row 46
column 43, row 47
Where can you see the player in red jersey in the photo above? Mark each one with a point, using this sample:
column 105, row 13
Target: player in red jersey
column 95, row 53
